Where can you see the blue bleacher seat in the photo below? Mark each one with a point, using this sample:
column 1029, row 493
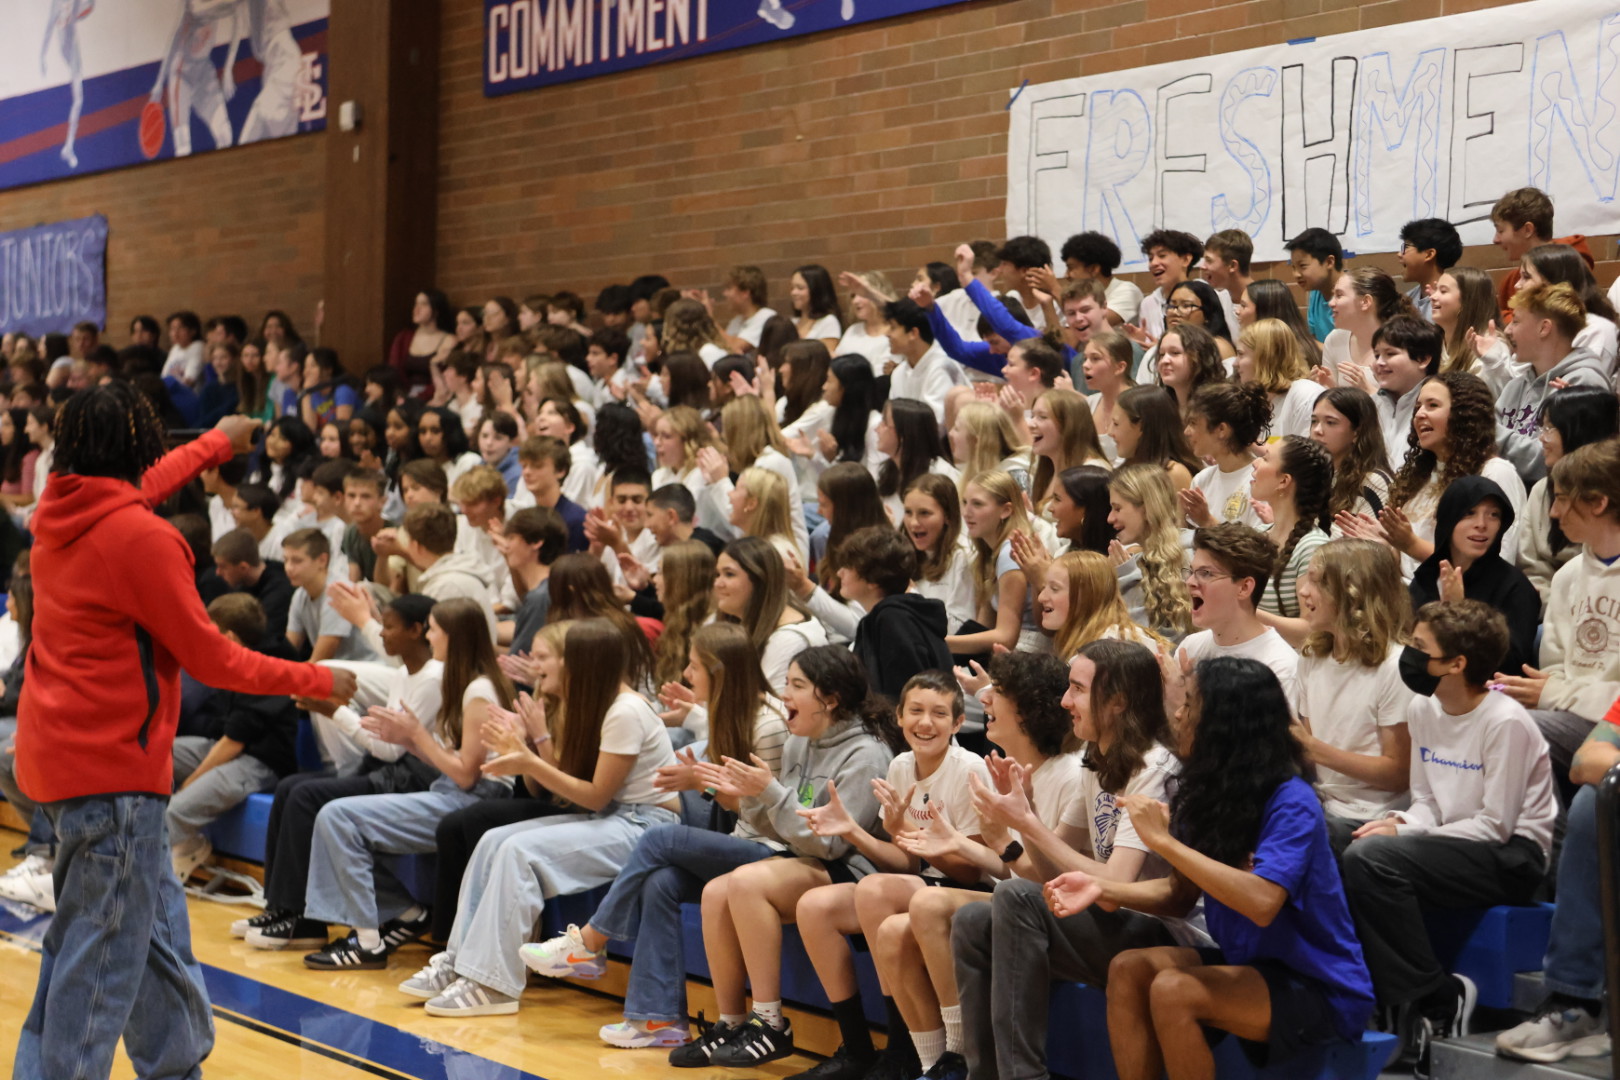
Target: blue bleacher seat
column 1491, row 945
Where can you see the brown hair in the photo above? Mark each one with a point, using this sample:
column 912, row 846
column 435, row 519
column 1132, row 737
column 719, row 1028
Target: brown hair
column 479, row 483
column 593, row 669
column 1560, row 303
column 1525, row 206
column 935, row 563
column 471, row 656
column 581, row 589
column 1471, row 629
column 1127, row 673
column 751, row 280
column 688, row 573
column 433, row 525
column 1591, row 472
column 240, row 614
column 737, row 688
column 1363, row 579
column 1242, row 551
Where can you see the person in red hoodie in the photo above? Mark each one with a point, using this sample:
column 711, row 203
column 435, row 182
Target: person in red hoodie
column 117, row 615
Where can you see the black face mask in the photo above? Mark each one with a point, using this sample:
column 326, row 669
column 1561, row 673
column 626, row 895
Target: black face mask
column 1415, row 672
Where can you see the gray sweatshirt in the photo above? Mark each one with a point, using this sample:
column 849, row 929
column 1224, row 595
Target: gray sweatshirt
column 1518, row 429
column 845, row 754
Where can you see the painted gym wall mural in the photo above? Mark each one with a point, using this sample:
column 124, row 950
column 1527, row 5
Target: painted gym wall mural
column 94, row 85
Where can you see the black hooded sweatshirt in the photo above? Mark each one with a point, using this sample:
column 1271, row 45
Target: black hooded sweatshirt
column 1492, row 580
column 902, row 635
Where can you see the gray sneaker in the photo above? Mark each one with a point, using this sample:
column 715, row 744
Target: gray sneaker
column 1555, row 1033
column 432, row 980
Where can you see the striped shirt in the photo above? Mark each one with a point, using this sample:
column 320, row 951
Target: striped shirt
column 1281, row 596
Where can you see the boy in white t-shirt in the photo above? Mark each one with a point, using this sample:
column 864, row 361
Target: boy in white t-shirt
column 747, row 295
column 1230, row 566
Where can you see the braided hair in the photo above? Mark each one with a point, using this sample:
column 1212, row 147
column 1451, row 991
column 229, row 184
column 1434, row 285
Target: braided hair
column 1311, row 467
column 111, row 430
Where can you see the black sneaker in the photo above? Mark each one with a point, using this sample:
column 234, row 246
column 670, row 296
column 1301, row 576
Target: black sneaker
column 755, row 1044
column 347, row 955
column 1446, row 1015
column 893, row 1067
column 268, row 917
column 696, row 1054
column 950, row 1066
column 289, row 931
column 841, row 1066
column 397, row 932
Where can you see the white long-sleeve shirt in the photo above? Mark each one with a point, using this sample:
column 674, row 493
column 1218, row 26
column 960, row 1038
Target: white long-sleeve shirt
column 419, row 692
column 928, row 380
column 1483, row 776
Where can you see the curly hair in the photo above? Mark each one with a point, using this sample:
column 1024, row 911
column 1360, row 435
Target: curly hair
column 1242, row 748
column 1035, row 684
column 1366, row 456
column 1470, row 438
column 1127, row 673
column 840, row 681
column 1311, row 467
column 1362, row 579
column 1164, row 590
column 1245, row 408
column 616, row 438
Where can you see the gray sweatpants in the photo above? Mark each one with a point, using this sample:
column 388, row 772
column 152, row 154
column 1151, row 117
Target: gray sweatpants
column 1010, row 951
column 216, row 791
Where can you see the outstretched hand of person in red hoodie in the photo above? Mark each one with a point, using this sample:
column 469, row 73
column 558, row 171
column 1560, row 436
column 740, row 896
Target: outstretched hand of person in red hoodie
column 243, row 431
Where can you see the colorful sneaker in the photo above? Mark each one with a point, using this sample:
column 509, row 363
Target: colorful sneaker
column 467, row 998
column 185, row 862
column 347, row 955
column 432, row 980
column 289, row 931
column 241, row 928
column 637, row 1034
column 698, row 1053
column 37, row 890
column 1557, row 1031
column 565, row 956
column 755, row 1044
column 397, row 932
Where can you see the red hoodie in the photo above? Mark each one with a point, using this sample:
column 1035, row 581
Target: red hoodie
column 116, row 615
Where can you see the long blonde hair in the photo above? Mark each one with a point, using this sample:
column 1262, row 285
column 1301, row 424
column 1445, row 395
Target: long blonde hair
column 991, row 434
column 773, row 507
column 1078, row 443
column 1277, row 359
column 1363, row 579
column 688, row 579
column 1164, row 589
column 1095, row 605
column 1004, row 489
column 748, row 428
column 688, row 424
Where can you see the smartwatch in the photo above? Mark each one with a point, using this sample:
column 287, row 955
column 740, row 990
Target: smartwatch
column 1013, row 851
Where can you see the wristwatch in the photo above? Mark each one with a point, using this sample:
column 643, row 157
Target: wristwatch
column 1012, row 852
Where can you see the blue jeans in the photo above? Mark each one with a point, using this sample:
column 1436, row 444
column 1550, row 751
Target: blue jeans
column 117, row 957
column 1574, row 962
column 669, row 867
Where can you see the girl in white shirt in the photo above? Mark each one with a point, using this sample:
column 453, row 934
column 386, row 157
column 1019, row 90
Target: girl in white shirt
column 1106, row 366
column 802, row 409
column 984, row 438
column 909, row 436
column 678, row 435
column 761, row 506
column 752, row 441
column 932, row 519
column 1223, row 422
column 1364, row 298
column 750, row 587
column 605, row 761
column 992, row 511
column 559, row 419
column 1463, row 304
column 1268, row 355
column 815, row 305
column 1560, row 263
column 1352, row 702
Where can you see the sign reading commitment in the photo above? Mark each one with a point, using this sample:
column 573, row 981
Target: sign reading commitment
column 534, row 43
column 1356, row 133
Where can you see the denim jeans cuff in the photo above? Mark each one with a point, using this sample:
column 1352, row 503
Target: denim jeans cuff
column 1555, row 986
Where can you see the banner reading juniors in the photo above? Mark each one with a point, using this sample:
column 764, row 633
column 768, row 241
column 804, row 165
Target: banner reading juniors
column 534, row 43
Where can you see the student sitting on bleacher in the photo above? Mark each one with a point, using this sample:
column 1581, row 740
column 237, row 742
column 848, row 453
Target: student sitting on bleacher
column 1478, row 830
column 1570, row 1021
column 254, row 747
column 1245, row 832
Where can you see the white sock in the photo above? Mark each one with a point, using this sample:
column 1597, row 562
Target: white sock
column 412, row 913
column 930, row 1046
column 733, row 1019
column 952, row 1015
column 770, row 1012
column 370, row 940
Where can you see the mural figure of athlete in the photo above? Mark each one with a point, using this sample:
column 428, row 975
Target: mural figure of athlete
column 63, row 24
column 275, row 109
column 189, row 79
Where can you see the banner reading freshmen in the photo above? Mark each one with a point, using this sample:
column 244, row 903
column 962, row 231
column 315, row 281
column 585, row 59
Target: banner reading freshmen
column 1356, row 133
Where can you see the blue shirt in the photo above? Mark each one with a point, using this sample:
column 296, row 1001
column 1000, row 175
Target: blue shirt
column 1313, row 935
column 511, row 470
column 325, row 401
column 573, row 516
column 1319, row 315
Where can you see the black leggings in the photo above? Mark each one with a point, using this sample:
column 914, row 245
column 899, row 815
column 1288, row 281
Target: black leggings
column 458, row 834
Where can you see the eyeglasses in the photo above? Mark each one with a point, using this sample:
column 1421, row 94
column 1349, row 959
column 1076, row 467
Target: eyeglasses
column 1204, row 575
column 1185, row 305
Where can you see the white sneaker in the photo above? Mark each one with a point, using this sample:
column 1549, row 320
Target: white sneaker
column 564, row 956
column 36, row 890
column 33, row 864
column 467, row 998
column 432, row 980
column 186, row 861
column 1554, row 1034
column 637, row 1034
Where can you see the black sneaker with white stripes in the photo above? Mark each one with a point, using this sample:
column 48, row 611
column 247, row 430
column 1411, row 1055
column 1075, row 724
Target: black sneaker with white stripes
column 347, row 955
column 397, row 932
column 755, row 1044
column 697, row 1053
column 264, row 919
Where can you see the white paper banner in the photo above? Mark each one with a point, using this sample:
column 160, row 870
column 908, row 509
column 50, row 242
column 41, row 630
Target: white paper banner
column 1358, row 133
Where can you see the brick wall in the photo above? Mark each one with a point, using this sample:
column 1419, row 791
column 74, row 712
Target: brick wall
column 877, row 147
column 236, row 231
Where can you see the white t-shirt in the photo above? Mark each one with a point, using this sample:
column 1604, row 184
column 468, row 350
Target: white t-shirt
column 185, row 362
column 1227, row 493
column 1106, row 822
column 1124, row 298
column 711, row 354
column 945, row 793
column 631, row 727
column 1055, row 792
column 954, row 588
column 783, row 645
column 1269, row 648
column 749, row 329
column 875, row 347
column 1292, row 415
column 961, row 312
column 1346, row 704
column 929, row 380
column 825, row 327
